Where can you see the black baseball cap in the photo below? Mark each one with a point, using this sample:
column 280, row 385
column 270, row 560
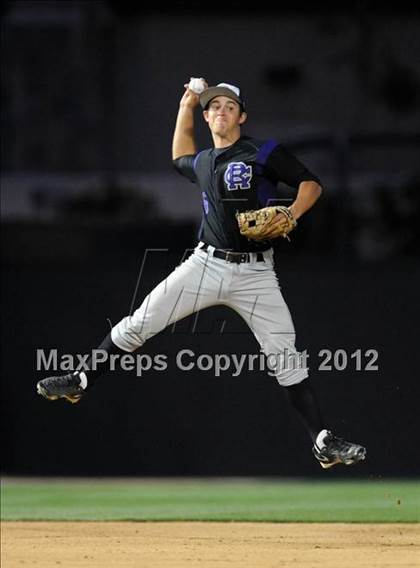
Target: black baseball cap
column 222, row 89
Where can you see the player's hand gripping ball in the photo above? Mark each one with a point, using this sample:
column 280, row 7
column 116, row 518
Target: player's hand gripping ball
column 197, row 85
column 266, row 223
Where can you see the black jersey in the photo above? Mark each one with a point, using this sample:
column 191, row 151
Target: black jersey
column 243, row 176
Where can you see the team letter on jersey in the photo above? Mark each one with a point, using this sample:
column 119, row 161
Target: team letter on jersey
column 238, row 176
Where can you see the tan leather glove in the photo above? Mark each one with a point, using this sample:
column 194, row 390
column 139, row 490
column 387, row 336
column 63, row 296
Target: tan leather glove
column 266, row 223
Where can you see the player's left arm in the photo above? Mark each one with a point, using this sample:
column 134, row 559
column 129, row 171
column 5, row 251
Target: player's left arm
column 283, row 166
column 308, row 193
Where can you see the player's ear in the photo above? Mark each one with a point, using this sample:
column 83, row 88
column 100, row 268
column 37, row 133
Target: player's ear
column 206, row 115
column 243, row 117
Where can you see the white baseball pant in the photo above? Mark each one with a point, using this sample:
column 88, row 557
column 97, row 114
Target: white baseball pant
column 250, row 288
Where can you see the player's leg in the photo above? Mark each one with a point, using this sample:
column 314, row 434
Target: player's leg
column 258, row 299
column 191, row 287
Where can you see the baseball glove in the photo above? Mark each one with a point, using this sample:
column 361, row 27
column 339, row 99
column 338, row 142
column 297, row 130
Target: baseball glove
column 266, row 223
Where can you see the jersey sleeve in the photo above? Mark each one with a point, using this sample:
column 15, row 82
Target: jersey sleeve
column 282, row 166
column 185, row 166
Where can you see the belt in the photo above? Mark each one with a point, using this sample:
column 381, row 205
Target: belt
column 236, row 257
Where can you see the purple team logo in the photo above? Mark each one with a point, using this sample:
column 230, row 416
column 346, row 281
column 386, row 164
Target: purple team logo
column 205, row 202
column 238, row 176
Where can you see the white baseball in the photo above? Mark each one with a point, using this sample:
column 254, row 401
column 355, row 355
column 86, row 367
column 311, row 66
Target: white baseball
column 197, row 85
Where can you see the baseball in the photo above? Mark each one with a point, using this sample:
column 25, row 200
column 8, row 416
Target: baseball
column 197, row 85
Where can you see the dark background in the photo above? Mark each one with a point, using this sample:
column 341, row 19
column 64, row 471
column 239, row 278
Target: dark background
column 89, row 98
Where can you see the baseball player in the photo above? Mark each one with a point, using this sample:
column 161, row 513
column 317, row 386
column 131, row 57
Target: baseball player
column 232, row 263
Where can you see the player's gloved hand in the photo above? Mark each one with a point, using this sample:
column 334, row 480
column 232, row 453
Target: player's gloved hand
column 266, row 223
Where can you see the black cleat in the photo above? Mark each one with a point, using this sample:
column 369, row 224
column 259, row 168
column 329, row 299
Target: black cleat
column 335, row 450
column 66, row 386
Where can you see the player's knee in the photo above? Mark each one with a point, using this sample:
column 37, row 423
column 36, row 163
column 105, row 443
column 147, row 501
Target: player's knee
column 288, row 379
column 128, row 335
column 287, row 366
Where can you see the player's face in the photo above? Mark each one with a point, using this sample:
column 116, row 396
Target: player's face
column 223, row 115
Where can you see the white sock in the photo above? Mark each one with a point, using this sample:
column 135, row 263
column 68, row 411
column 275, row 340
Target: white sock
column 83, row 379
column 320, row 438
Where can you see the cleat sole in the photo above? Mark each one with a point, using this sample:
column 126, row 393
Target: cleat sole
column 361, row 455
column 73, row 399
column 41, row 391
column 327, row 465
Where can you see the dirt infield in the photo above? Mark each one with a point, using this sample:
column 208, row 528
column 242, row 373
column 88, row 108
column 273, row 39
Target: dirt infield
column 230, row 545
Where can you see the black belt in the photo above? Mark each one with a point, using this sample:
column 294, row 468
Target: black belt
column 237, row 257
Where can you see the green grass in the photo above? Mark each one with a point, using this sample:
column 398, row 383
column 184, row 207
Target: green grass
column 208, row 500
